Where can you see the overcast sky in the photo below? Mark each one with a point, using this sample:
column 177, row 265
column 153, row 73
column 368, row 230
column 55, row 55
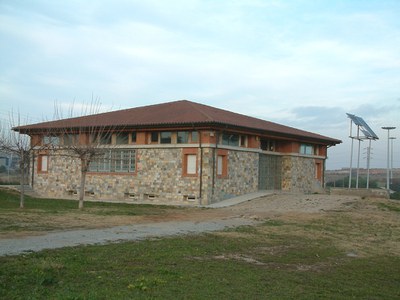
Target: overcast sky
column 301, row 63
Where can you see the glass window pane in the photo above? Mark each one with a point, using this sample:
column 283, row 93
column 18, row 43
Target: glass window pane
column 195, row 137
column 70, row 139
column 165, row 137
column 183, row 137
column 132, row 161
column 51, row 140
column 105, row 139
column 154, row 137
column 122, row 138
column 133, row 137
column 230, row 139
column 114, row 161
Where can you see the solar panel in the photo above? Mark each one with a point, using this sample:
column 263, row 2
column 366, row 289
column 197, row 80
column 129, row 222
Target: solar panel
column 363, row 126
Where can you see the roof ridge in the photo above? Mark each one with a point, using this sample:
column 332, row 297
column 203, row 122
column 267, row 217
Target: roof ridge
column 197, row 106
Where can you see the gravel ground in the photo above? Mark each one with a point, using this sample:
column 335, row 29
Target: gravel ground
column 114, row 234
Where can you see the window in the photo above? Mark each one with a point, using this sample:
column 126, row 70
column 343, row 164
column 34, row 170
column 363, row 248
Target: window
column 230, row 139
column 116, row 160
column 189, row 165
column 154, row 137
column 194, row 137
column 70, row 139
column 222, row 163
column 185, row 137
column 165, row 137
column 268, row 145
column 318, row 171
column 306, row 149
column 122, row 138
column 51, row 140
column 133, row 137
column 243, row 141
column 43, row 163
column 105, row 138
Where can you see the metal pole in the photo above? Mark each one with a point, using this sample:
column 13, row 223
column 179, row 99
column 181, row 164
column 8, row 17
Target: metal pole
column 368, row 161
column 351, row 153
column 388, row 128
column 358, row 162
column 391, row 160
column 351, row 162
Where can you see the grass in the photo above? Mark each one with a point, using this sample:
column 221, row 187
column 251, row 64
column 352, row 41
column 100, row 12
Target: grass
column 336, row 255
column 10, row 201
column 55, row 214
column 201, row 267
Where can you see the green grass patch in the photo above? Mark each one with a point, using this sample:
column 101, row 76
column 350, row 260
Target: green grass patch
column 390, row 207
column 288, row 261
column 9, row 200
column 45, row 214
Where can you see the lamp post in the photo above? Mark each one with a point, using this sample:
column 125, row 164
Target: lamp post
column 391, row 159
column 388, row 128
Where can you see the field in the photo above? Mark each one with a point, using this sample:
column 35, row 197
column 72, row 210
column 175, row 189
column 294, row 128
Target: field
column 302, row 247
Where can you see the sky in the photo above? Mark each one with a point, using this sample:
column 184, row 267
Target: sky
column 300, row 63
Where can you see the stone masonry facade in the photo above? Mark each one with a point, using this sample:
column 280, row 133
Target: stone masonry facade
column 298, row 174
column 159, row 178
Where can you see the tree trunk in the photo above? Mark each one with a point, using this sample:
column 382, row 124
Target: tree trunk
column 22, row 191
column 83, row 181
column 21, row 181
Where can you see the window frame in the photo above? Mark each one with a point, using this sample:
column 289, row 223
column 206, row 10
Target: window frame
column 40, row 163
column 112, row 161
column 187, row 153
column 167, row 139
column 125, row 140
column 221, row 170
column 306, row 149
column 227, row 139
column 53, row 140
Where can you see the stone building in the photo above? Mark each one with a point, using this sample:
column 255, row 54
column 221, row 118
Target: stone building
column 179, row 152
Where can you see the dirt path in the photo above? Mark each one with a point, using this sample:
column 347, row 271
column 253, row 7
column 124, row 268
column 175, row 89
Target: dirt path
column 192, row 222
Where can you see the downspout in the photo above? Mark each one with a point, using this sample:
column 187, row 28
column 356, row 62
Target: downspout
column 323, row 172
column 214, row 161
column 201, row 169
column 33, row 169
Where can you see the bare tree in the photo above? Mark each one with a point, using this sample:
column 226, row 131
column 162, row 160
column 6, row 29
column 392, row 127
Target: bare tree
column 83, row 141
column 12, row 142
column 85, row 138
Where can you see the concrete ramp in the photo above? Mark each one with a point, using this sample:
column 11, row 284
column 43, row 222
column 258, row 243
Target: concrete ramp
column 240, row 199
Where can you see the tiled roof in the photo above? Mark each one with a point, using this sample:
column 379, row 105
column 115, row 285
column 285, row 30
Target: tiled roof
column 177, row 113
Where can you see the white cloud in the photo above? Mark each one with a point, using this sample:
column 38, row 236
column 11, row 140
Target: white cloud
column 298, row 63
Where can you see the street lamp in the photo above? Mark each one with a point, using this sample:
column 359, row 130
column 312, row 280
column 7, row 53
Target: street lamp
column 391, row 159
column 388, row 128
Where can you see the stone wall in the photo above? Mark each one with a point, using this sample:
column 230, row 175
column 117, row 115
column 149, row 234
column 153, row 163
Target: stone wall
column 159, row 178
column 242, row 177
column 298, row 174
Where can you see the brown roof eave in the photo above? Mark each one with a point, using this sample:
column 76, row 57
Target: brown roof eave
column 277, row 135
column 194, row 125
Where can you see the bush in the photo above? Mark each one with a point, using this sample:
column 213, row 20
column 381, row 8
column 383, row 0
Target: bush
column 395, row 196
column 362, row 183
